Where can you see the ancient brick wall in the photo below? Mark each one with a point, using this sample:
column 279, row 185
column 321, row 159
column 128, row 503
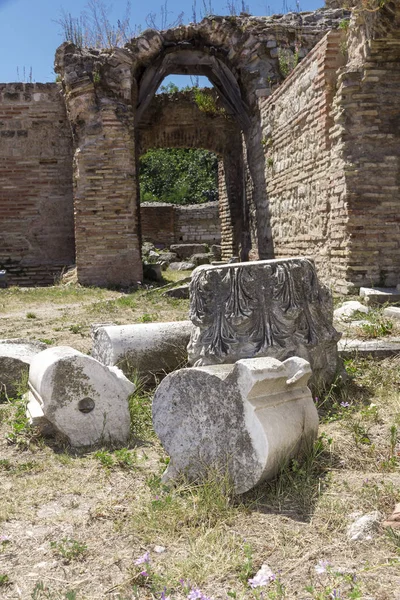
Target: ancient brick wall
column 167, row 224
column 368, row 120
column 303, row 169
column 198, row 223
column 36, row 212
column 158, row 223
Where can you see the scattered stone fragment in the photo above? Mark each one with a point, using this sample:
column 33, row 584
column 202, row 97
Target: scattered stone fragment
column 392, row 312
column 216, row 252
column 82, row 399
column 150, row 349
column 200, row 259
column 394, row 520
column 245, row 419
column 181, row 266
column 185, row 251
column 380, row 295
column 273, row 308
column 181, row 292
column 15, row 357
column 348, row 309
column 167, row 257
column 363, row 527
column 152, row 272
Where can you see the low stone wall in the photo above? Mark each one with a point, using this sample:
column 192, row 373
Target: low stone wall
column 167, row 224
column 36, row 209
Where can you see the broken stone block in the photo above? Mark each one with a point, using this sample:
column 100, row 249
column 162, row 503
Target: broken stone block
column 167, row 257
column 152, row 272
column 392, row 312
column 273, row 308
column 149, row 349
column 15, row 357
column 82, row 399
column 185, row 251
column 216, row 252
column 347, row 310
column 181, row 292
column 200, row 259
column 380, row 295
column 363, row 527
column 181, row 266
column 246, row 419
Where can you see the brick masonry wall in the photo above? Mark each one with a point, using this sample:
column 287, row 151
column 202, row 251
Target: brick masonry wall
column 303, row 164
column 36, row 211
column 198, row 223
column 368, row 121
column 168, row 224
column 158, row 223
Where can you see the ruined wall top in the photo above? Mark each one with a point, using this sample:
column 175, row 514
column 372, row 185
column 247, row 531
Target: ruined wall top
column 243, row 52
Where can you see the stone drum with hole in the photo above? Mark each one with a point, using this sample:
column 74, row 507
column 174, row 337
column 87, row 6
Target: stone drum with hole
column 82, row 399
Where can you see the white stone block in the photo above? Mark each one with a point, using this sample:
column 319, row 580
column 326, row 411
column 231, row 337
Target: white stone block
column 15, row 357
column 380, row 295
column 81, row 398
column 249, row 418
column 392, row 312
column 346, row 311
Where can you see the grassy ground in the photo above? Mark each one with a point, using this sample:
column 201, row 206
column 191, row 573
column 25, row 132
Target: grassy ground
column 79, row 525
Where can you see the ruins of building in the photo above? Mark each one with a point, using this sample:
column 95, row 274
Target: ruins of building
column 314, row 168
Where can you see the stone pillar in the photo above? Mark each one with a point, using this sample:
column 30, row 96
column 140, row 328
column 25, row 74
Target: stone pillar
column 98, row 94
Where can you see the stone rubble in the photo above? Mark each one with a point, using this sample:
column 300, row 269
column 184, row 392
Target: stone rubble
column 15, row 357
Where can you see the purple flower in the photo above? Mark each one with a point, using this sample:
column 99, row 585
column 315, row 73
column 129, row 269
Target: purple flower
column 144, row 559
column 195, row 595
column 335, row 595
column 144, row 574
column 345, row 404
column 261, row 579
column 321, row 566
column 163, row 596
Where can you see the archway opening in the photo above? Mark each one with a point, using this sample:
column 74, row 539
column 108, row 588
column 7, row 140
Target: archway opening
column 192, row 153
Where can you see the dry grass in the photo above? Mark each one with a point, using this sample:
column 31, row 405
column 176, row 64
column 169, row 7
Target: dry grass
column 72, row 524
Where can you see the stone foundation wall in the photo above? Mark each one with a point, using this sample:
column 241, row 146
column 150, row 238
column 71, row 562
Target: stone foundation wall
column 36, row 213
column 168, row 224
column 304, row 176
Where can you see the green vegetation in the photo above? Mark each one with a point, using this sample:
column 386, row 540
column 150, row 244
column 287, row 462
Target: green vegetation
column 179, row 176
column 69, row 549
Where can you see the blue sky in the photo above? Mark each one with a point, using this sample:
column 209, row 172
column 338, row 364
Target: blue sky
column 29, row 36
